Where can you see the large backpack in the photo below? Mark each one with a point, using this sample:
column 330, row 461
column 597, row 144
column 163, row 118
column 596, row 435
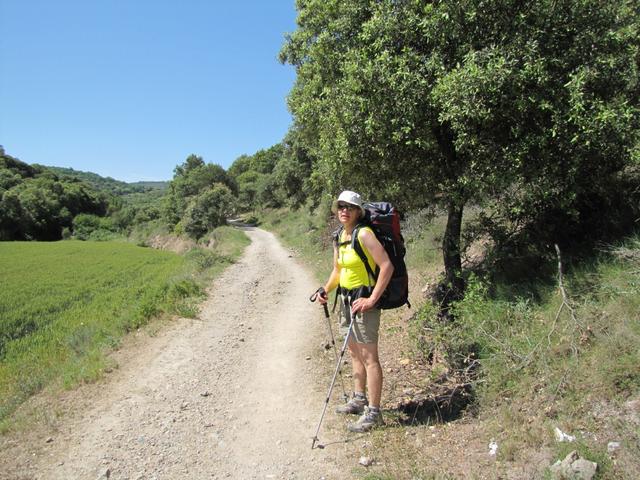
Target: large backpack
column 384, row 220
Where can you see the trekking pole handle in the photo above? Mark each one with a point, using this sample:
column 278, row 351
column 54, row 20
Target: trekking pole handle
column 322, row 292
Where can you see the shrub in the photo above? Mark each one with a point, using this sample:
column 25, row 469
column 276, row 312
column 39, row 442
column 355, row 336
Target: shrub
column 93, row 227
column 208, row 210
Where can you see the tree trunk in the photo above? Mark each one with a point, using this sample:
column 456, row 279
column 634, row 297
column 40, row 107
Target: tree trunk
column 452, row 287
column 451, row 245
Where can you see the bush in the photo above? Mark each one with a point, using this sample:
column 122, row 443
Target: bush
column 93, row 227
column 204, row 259
column 183, row 297
column 182, row 289
column 208, row 210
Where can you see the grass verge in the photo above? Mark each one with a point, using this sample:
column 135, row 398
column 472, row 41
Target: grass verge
column 566, row 357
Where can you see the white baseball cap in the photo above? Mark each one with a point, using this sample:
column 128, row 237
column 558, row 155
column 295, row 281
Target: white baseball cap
column 348, row 197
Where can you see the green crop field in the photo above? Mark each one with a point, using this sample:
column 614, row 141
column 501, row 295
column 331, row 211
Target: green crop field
column 63, row 304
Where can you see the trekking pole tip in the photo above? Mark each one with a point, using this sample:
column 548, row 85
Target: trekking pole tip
column 319, row 445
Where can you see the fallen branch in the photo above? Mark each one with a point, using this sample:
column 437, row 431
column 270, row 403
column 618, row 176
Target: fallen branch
column 565, row 303
column 503, row 345
column 565, row 299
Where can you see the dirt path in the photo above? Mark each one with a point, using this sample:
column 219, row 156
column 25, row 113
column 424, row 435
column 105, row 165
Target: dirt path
column 230, row 395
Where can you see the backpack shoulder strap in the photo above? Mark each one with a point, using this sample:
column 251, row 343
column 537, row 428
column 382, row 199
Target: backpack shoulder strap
column 355, row 244
column 336, row 237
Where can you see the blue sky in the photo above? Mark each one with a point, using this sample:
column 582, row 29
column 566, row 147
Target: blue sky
column 129, row 88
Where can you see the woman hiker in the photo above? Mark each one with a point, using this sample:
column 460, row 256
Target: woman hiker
column 358, row 295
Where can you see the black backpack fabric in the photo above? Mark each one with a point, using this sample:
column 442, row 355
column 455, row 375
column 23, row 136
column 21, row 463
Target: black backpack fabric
column 384, row 220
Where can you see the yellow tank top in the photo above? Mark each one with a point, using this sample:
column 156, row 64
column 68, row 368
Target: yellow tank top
column 353, row 273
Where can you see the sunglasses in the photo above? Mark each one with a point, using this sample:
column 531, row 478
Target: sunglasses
column 346, row 206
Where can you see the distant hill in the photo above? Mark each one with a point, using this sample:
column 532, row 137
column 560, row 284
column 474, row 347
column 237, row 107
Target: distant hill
column 107, row 184
column 37, row 203
column 152, row 185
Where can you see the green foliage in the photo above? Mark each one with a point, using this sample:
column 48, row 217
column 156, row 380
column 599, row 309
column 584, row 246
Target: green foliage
column 293, row 175
column 41, row 201
column 140, row 234
column 249, row 184
column 208, row 210
column 239, row 166
column 264, row 161
column 191, row 202
column 469, row 96
column 135, row 209
column 202, row 259
column 106, row 184
column 35, row 204
column 527, row 109
column 259, row 186
column 276, row 177
column 183, row 296
column 93, row 227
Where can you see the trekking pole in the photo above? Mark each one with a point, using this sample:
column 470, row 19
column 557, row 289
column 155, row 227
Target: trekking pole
column 312, row 298
column 333, row 380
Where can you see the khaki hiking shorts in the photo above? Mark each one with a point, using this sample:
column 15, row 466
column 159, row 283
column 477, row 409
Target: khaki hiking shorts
column 366, row 325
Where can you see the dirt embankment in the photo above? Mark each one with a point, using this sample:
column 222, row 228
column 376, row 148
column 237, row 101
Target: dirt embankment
column 171, row 243
column 233, row 394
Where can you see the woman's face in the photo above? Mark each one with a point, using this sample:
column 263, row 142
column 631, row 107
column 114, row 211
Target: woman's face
column 348, row 214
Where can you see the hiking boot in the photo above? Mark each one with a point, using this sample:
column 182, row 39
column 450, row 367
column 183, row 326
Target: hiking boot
column 366, row 422
column 355, row 406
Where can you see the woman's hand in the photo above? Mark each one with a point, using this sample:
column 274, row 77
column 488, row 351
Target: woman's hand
column 361, row 305
column 323, row 297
